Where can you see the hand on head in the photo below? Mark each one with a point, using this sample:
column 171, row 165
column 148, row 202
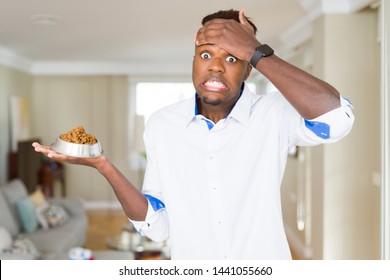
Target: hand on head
column 237, row 38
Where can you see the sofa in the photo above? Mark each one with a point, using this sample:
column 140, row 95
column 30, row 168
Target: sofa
column 26, row 233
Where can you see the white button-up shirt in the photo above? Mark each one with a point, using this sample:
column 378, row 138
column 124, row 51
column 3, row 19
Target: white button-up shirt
column 214, row 189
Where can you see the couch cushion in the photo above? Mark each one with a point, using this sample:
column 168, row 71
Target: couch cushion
column 22, row 245
column 56, row 241
column 75, row 206
column 7, row 220
column 5, row 238
column 40, row 213
column 56, row 215
column 38, row 198
column 26, row 212
column 17, row 256
column 14, row 191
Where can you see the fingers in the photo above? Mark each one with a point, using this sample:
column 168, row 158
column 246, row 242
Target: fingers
column 214, row 29
column 39, row 148
column 37, row 145
column 242, row 17
column 208, row 33
column 46, row 150
column 199, row 37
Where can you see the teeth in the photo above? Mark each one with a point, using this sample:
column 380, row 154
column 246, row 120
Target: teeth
column 215, row 84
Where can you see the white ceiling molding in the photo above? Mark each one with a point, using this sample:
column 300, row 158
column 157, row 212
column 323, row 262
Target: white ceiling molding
column 103, row 68
column 344, row 6
column 301, row 32
column 50, row 68
column 13, row 60
column 312, row 7
column 291, row 41
column 318, row 7
column 295, row 36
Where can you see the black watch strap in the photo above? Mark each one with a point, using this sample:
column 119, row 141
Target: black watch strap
column 261, row 51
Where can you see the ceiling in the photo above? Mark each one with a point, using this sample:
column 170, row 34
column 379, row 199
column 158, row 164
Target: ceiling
column 124, row 36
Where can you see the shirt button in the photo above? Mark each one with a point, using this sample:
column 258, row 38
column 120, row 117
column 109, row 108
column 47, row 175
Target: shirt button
column 211, row 157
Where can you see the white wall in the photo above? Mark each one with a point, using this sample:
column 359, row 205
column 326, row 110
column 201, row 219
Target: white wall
column 12, row 82
column 100, row 103
column 385, row 129
column 296, row 185
column 352, row 63
column 344, row 220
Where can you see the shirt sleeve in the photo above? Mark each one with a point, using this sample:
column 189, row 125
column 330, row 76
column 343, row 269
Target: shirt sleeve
column 155, row 226
column 327, row 128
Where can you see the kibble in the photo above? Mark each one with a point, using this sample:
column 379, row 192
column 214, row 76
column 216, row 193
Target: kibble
column 78, row 135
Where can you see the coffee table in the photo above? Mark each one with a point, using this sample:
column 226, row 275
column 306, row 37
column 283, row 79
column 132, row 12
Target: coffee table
column 141, row 246
column 107, row 255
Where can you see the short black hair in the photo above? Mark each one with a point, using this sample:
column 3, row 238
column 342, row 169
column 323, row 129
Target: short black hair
column 227, row 14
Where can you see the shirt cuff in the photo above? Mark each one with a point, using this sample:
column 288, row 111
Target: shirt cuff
column 155, row 223
column 335, row 124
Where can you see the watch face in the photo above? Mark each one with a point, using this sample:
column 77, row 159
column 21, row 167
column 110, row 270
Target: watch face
column 261, row 51
column 266, row 50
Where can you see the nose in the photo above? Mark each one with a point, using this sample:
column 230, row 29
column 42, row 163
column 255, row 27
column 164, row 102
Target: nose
column 217, row 65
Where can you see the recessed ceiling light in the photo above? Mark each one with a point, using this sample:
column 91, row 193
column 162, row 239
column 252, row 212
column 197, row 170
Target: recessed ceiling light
column 46, row 19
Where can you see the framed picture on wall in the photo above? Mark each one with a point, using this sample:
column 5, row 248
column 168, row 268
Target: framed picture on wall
column 19, row 120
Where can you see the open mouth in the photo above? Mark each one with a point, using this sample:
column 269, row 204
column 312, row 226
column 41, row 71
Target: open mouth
column 215, row 85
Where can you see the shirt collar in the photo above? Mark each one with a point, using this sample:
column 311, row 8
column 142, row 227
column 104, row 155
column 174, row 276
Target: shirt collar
column 242, row 109
column 240, row 112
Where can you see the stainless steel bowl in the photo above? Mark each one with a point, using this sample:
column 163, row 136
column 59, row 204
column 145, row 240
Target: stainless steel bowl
column 77, row 150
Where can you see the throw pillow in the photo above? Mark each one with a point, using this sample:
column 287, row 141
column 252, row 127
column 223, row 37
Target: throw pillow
column 56, row 216
column 37, row 197
column 40, row 213
column 22, row 245
column 5, row 238
column 26, row 212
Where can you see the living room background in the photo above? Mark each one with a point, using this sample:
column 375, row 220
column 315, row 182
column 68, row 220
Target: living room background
column 342, row 175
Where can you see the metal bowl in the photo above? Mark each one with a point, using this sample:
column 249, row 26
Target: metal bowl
column 77, row 150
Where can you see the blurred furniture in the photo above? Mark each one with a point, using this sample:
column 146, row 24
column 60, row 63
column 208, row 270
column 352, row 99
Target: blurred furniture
column 112, row 255
column 34, row 169
column 25, row 164
column 50, row 172
column 54, row 242
column 141, row 246
column 105, row 255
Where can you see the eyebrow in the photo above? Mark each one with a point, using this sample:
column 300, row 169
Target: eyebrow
column 212, row 45
column 207, row 44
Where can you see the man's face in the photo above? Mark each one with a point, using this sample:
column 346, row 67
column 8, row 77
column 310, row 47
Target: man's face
column 217, row 75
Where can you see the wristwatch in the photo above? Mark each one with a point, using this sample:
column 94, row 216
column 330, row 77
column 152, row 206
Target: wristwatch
column 261, row 51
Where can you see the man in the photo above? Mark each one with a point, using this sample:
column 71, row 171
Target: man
column 215, row 162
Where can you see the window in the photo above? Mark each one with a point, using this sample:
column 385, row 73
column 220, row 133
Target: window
column 152, row 96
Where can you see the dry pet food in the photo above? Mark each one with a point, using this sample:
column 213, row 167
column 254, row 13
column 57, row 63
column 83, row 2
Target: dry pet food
column 79, row 136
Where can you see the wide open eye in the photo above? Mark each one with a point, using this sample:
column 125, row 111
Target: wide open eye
column 231, row 59
column 205, row 55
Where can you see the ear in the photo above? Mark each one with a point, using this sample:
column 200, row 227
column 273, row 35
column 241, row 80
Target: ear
column 247, row 71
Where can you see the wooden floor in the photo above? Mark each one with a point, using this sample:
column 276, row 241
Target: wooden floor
column 105, row 223
column 102, row 224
